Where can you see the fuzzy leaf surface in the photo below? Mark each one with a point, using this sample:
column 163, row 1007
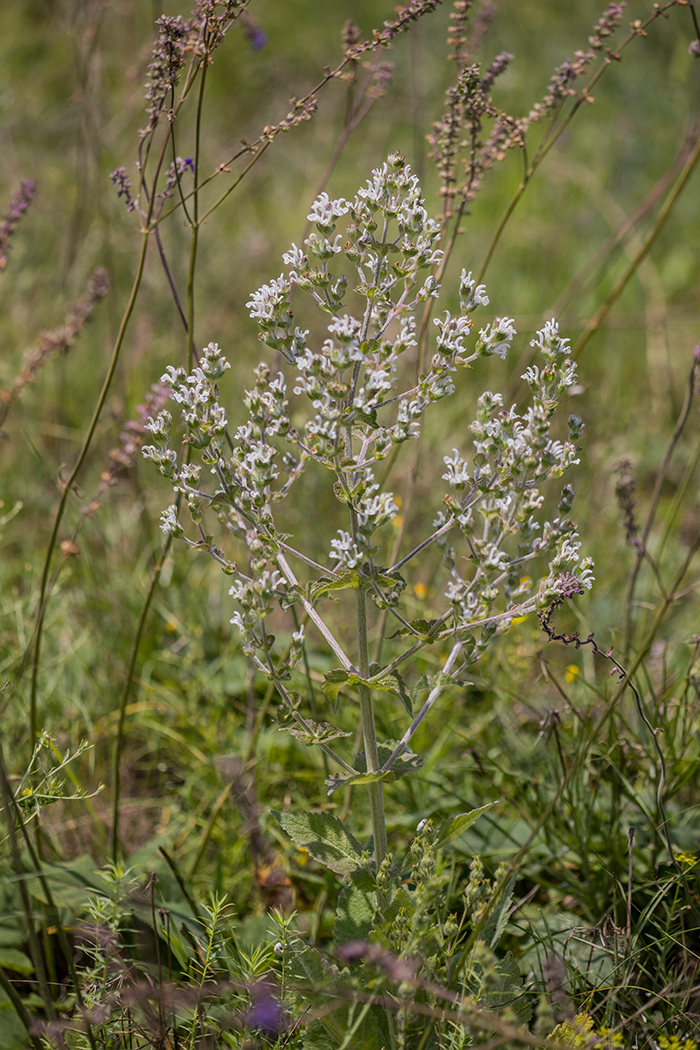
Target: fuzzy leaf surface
column 407, row 762
column 343, row 579
column 509, row 990
column 354, row 915
column 326, row 838
column 333, row 682
column 320, row 731
column 418, row 628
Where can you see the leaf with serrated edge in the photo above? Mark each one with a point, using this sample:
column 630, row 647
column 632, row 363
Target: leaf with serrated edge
column 354, row 915
column 508, row 990
column 325, row 837
column 407, row 758
column 453, row 827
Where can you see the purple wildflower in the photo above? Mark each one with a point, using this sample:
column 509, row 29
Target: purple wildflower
column 123, row 187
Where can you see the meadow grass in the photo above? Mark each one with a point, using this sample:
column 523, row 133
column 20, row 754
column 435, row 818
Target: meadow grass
column 149, row 897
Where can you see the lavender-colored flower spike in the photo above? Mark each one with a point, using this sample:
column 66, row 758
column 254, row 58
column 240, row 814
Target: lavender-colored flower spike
column 19, row 202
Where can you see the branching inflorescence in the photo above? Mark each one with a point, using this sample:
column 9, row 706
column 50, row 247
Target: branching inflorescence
column 502, row 557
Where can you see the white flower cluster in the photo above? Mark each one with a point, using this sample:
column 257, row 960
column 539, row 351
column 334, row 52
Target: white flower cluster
column 490, row 529
column 513, row 454
column 372, row 509
column 196, row 394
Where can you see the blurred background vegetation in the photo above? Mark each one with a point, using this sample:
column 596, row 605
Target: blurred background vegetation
column 202, row 763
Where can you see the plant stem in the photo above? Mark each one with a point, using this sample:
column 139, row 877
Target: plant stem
column 68, row 488
column 642, row 252
column 118, row 742
column 369, row 734
column 434, row 694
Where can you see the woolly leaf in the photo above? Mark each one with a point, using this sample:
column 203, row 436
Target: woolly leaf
column 509, row 990
column 354, row 915
column 325, row 837
column 320, row 732
column 407, row 762
column 392, row 683
column 343, row 579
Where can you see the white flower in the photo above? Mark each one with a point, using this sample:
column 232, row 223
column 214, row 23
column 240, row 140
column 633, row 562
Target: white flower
column 169, row 523
column 457, row 470
column 471, row 294
column 324, row 211
column 295, row 258
column 263, row 303
column 497, row 336
column 345, row 550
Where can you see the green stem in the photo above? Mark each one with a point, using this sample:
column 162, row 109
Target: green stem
column 126, row 689
column 68, row 485
column 53, row 916
column 369, row 734
column 643, row 251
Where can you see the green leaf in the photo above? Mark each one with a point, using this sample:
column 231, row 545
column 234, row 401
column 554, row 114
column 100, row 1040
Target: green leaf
column 323, row 983
column 367, row 417
column 354, row 916
column 509, row 990
column 292, row 595
column 498, row 919
column 407, row 762
column 333, row 682
column 389, row 579
column 343, row 579
column 338, row 780
column 12, row 959
column 390, row 683
column 453, row 827
column 13, row 1034
column 320, row 732
column 68, row 882
column 326, row 838
column 419, row 628
column 306, row 966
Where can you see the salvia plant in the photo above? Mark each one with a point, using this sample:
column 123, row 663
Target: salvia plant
column 349, row 409
column 502, row 557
